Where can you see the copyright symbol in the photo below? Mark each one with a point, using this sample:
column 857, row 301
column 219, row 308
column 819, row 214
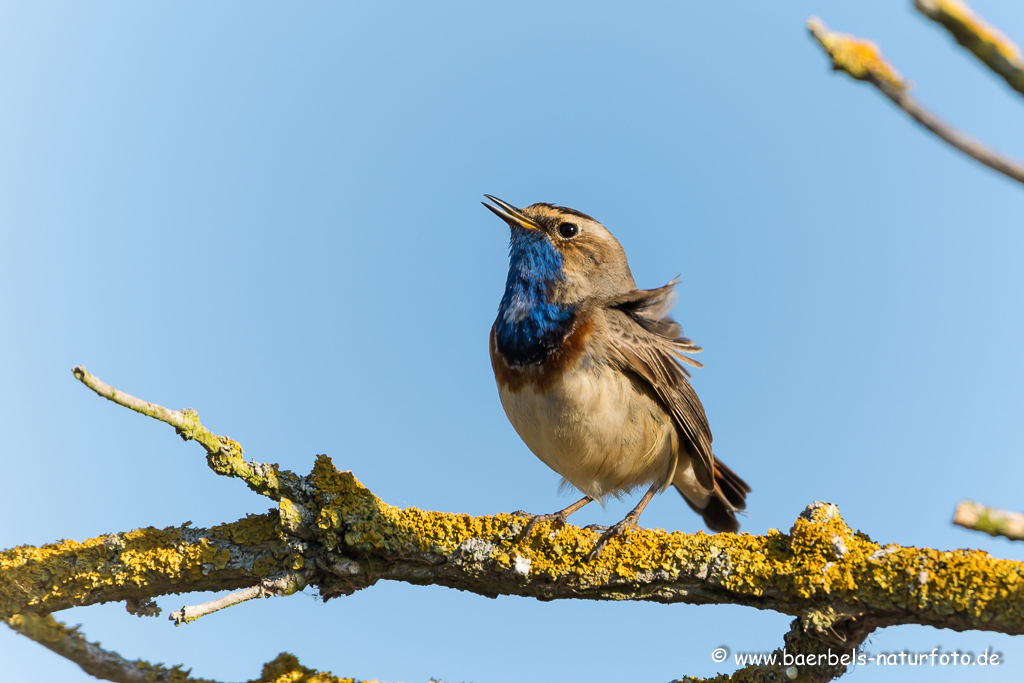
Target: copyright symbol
column 719, row 654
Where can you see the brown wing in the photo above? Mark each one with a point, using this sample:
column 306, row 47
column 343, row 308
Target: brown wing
column 651, row 345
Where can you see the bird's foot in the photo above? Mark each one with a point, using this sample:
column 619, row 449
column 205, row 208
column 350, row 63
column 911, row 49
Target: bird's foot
column 611, row 532
column 559, row 518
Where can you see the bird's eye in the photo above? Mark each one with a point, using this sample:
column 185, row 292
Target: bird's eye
column 568, row 230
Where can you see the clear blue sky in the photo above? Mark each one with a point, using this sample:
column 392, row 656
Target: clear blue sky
column 270, row 213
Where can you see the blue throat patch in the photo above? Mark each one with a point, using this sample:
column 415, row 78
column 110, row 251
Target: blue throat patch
column 529, row 328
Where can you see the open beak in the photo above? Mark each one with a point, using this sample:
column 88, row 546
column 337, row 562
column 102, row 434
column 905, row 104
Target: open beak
column 510, row 214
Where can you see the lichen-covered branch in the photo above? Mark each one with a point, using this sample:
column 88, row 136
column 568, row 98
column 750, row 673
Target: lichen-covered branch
column 285, row 668
column 330, row 532
column 992, row 521
column 862, row 60
column 988, row 44
column 93, row 659
column 139, row 565
column 110, row 666
column 822, row 572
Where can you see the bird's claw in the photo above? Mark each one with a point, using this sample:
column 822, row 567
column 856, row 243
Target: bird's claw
column 617, row 530
column 558, row 518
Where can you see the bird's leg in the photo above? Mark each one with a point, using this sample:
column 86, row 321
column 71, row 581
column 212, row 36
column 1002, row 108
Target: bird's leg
column 629, row 522
column 558, row 518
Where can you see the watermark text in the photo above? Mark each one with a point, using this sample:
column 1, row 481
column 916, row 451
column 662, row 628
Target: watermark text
column 935, row 657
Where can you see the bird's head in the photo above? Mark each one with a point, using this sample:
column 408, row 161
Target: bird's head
column 565, row 252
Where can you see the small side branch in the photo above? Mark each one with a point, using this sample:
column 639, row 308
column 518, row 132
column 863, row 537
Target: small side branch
column 862, row 60
column 172, row 417
column 284, row 585
column 992, row 521
column 224, row 455
column 185, row 422
column 986, row 42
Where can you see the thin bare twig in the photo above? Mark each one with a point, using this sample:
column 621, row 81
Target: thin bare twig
column 284, row 585
column 963, row 142
column 988, row 44
column 862, row 60
column 992, row 521
column 175, row 418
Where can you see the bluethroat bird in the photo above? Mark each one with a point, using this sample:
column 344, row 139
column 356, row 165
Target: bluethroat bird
column 589, row 372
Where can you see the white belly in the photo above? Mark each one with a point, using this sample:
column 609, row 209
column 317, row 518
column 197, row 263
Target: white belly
column 595, row 429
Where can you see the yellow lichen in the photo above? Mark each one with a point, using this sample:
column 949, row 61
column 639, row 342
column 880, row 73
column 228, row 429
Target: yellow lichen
column 860, row 58
column 253, row 530
column 69, row 570
column 264, row 567
column 292, row 515
column 296, row 561
column 231, row 445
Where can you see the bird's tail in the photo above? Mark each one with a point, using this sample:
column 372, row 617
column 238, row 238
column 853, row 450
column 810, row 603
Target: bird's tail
column 718, row 507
